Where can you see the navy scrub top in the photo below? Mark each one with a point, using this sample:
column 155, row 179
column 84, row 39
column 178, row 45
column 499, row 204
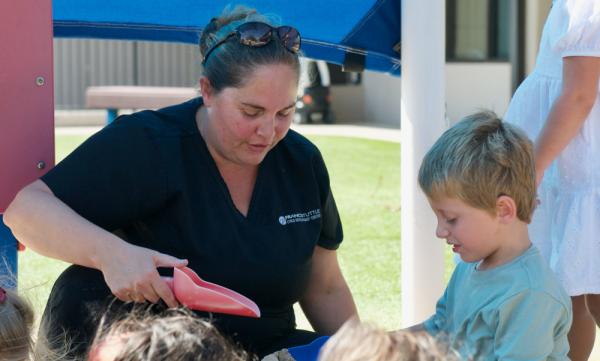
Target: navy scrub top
column 150, row 176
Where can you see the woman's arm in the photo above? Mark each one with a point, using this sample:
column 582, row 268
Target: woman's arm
column 579, row 92
column 327, row 302
column 48, row 226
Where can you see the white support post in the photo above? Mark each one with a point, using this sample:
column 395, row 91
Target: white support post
column 422, row 122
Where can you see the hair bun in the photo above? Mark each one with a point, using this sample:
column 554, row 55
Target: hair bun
column 209, row 34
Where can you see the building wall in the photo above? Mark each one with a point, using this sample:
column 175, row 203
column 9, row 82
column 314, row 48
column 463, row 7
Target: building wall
column 475, row 86
column 348, row 103
column 469, row 87
column 382, row 98
column 82, row 63
column 167, row 64
column 79, row 63
column 376, row 100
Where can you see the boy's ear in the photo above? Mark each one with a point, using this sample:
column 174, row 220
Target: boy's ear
column 206, row 90
column 506, row 209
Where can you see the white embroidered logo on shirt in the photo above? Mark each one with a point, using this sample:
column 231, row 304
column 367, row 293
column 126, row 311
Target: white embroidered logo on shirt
column 300, row 217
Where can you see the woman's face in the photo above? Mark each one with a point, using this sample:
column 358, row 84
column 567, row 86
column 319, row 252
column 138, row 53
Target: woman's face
column 245, row 123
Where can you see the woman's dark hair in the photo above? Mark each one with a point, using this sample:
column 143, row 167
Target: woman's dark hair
column 230, row 64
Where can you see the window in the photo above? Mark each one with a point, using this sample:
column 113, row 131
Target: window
column 478, row 30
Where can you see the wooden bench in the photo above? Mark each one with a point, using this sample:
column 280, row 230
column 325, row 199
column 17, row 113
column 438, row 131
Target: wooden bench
column 113, row 98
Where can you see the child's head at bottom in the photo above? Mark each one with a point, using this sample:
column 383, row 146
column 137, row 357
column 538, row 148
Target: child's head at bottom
column 480, row 166
column 174, row 335
column 16, row 321
column 356, row 341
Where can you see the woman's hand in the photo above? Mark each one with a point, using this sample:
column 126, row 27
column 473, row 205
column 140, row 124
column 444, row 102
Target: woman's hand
column 131, row 274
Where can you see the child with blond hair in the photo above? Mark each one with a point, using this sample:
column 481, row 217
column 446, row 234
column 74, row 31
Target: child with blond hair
column 356, row 341
column 502, row 302
column 16, row 322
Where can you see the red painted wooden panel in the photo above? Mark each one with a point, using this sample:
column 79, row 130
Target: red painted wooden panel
column 26, row 94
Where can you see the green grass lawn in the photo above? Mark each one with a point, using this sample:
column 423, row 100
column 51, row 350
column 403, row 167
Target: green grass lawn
column 365, row 178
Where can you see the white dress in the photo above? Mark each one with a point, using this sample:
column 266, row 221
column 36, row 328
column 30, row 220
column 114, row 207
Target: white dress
column 566, row 225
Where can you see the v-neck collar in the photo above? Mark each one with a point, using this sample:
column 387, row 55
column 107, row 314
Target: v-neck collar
column 216, row 174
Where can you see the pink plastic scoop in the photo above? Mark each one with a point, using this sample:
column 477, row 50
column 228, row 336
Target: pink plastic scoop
column 198, row 294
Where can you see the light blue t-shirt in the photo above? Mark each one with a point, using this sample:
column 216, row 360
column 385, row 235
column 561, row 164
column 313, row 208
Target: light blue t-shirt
column 516, row 311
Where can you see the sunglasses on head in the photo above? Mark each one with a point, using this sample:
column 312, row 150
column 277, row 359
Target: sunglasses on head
column 256, row 34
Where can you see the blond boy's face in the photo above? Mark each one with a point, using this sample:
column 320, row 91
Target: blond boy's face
column 472, row 233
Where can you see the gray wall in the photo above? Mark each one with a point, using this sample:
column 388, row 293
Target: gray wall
column 82, row 63
column 348, row 103
column 382, row 98
column 476, row 86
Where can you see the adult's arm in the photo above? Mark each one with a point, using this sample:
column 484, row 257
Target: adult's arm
column 327, row 302
column 579, row 91
column 48, row 226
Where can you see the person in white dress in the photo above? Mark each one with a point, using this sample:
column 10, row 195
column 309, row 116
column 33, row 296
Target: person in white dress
column 559, row 108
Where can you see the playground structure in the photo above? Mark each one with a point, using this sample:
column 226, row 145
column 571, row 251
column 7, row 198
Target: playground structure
column 26, row 109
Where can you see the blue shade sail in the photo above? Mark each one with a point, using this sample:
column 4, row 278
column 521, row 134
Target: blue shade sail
column 368, row 30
